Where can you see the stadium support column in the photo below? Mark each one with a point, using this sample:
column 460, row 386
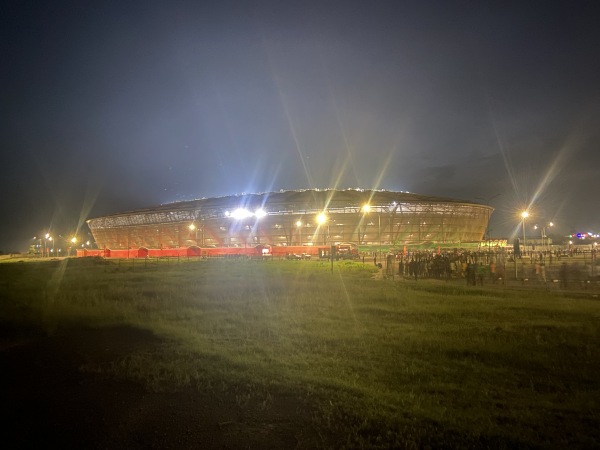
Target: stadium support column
column 379, row 232
column 299, row 232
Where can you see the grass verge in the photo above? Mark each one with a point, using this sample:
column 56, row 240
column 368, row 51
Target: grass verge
column 385, row 363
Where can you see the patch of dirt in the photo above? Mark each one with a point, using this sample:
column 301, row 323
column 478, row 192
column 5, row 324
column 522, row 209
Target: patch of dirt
column 47, row 401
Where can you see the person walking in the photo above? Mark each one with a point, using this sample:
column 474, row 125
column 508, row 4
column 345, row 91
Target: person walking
column 493, row 271
column 543, row 272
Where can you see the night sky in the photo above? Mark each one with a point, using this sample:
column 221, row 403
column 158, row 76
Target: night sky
column 110, row 106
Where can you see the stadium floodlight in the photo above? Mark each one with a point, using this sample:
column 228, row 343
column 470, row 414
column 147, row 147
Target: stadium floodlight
column 299, row 223
column 321, row 218
column 73, row 239
column 192, row 227
column 241, row 213
column 366, row 208
column 260, row 213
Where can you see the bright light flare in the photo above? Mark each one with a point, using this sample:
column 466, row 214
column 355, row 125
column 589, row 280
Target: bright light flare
column 241, row 213
column 524, row 214
column 366, row 208
column 192, row 227
column 321, row 218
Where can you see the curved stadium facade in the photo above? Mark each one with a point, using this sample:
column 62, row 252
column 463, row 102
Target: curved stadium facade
column 295, row 218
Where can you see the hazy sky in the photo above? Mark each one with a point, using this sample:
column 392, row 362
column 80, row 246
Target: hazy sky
column 115, row 105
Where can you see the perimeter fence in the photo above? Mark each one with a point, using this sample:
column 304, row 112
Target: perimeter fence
column 536, row 270
column 542, row 269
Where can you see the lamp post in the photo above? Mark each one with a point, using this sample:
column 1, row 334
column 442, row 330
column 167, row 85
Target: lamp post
column 550, row 224
column 193, row 227
column 46, row 236
column 321, row 219
column 365, row 209
column 543, row 231
column 38, row 246
column 524, row 215
column 73, row 241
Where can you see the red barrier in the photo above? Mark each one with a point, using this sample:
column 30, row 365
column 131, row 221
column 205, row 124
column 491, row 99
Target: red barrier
column 194, row 251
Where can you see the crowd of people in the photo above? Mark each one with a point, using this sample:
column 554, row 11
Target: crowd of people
column 482, row 267
column 475, row 267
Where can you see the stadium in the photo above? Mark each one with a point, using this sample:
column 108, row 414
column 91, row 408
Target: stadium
column 284, row 222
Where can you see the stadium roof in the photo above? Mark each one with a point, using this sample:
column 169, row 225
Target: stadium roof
column 322, row 198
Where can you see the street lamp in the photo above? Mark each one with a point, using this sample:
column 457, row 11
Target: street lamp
column 46, row 236
column 524, row 215
column 321, row 219
column 365, row 209
column 193, row 227
column 73, row 241
column 543, row 231
column 550, row 224
column 38, row 246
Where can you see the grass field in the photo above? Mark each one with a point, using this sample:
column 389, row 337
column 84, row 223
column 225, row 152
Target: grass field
column 386, row 364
